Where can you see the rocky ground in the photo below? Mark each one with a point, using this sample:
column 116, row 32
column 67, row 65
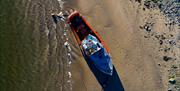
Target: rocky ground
column 163, row 27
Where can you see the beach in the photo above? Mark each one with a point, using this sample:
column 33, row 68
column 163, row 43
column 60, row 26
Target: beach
column 38, row 55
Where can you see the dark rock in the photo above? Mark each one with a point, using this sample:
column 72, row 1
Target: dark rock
column 172, row 81
column 171, row 35
column 152, row 34
column 157, row 36
column 167, row 49
column 160, row 6
column 169, row 90
column 147, row 28
column 172, row 42
column 159, row 64
column 160, row 42
column 144, row 9
column 166, row 58
column 147, row 4
column 174, row 67
column 140, row 27
column 162, row 37
column 139, row 1
column 145, row 36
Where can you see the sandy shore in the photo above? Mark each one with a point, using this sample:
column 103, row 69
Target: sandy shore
column 134, row 57
column 145, row 47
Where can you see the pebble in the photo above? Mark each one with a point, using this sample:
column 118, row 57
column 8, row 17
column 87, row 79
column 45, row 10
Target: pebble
column 66, row 43
column 172, row 42
column 69, row 74
column 147, row 28
column 167, row 49
column 69, row 62
column 160, row 42
column 166, row 58
column 172, row 81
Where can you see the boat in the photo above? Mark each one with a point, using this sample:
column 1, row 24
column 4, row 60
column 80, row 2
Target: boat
column 92, row 46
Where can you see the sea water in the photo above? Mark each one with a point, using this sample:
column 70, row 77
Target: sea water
column 32, row 53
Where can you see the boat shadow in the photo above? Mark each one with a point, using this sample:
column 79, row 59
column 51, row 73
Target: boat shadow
column 107, row 82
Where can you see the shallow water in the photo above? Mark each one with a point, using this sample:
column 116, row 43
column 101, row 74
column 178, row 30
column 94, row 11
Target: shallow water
column 32, row 52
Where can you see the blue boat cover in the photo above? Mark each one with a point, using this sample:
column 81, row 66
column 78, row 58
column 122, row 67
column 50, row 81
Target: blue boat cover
column 97, row 54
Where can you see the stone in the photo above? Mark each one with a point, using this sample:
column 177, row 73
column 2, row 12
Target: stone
column 160, row 42
column 172, row 81
column 166, row 58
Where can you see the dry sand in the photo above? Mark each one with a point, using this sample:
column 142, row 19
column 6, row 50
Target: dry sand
column 134, row 56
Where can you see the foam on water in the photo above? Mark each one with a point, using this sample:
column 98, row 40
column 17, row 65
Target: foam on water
column 67, row 46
